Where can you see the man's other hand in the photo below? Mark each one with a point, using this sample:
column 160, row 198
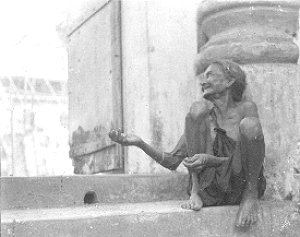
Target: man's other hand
column 196, row 162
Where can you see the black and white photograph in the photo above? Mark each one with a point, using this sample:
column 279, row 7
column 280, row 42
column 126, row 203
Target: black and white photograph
column 150, row 118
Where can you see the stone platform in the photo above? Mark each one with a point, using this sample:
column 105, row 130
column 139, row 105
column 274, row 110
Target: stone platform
column 149, row 219
column 126, row 205
column 67, row 191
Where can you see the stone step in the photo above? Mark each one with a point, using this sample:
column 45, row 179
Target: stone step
column 149, row 219
column 66, row 191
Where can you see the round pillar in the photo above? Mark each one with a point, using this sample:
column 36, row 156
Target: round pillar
column 261, row 36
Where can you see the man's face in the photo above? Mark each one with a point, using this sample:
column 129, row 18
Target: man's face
column 213, row 81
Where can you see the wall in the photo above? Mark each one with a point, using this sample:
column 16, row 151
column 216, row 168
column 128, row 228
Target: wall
column 94, row 85
column 276, row 90
column 158, row 51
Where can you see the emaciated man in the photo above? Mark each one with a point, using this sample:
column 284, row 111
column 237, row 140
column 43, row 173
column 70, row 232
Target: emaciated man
column 222, row 146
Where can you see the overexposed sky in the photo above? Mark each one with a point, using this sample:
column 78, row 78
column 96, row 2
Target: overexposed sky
column 29, row 43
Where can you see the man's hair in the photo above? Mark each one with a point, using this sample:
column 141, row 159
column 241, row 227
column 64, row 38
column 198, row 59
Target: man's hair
column 233, row 71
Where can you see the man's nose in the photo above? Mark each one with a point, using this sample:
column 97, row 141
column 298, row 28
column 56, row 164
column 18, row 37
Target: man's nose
column 202, row 80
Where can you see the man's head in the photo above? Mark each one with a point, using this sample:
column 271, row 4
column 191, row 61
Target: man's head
column 223, row 75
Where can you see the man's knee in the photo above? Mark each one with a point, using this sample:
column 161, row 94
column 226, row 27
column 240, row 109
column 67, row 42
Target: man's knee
column 250, row 128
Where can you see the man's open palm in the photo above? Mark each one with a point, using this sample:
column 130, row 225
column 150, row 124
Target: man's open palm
column 123, row 138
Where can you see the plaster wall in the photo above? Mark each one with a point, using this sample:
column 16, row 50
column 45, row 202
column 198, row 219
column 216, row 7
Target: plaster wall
column 275, row 88
column 158, row 51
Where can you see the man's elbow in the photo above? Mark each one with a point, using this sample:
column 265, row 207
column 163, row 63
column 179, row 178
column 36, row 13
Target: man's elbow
column 171, row 167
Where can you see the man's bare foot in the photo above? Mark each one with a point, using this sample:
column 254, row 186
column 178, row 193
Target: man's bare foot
column 194, row 203
column 248, row 212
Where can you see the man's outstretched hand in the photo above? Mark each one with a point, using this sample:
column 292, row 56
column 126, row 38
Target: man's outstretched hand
column 124, row 139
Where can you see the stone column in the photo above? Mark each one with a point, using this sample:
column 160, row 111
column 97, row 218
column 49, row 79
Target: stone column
column 261, row 35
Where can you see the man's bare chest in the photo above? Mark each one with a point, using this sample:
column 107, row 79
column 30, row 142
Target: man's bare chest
column 230, row 123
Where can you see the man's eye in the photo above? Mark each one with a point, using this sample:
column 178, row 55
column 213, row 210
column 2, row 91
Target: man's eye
column 200, row 77
column 209, row 74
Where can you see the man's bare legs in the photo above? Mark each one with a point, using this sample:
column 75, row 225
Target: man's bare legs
column 252, row 155
column 194, row 203
column 195, row 145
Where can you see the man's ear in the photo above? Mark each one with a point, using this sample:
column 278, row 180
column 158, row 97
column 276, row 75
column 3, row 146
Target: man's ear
column 229, row 84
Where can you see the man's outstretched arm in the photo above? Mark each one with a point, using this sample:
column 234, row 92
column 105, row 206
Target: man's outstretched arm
column 168, row 160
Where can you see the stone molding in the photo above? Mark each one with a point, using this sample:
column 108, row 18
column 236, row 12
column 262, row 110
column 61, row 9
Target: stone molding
column 247, row 32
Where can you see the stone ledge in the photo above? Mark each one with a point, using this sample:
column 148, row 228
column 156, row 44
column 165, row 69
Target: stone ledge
column 236, row 30
column 65, row 191
column 149, row 219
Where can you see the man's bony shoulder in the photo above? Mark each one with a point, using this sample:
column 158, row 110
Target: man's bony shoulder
column 247, row 105
column 198, row 108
